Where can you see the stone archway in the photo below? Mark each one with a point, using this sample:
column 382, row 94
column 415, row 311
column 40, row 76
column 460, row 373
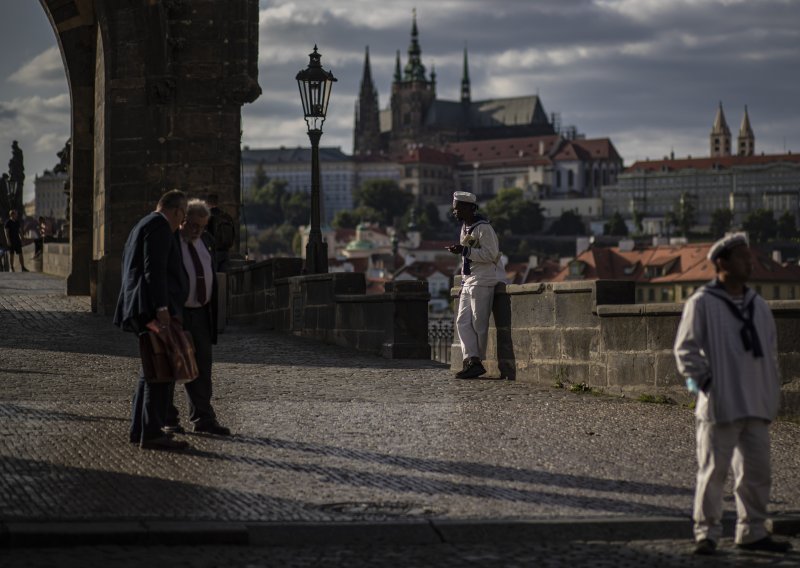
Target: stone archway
column 156, row 88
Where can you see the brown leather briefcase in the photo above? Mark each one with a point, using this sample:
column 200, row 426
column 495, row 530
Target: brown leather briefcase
column 167, row 354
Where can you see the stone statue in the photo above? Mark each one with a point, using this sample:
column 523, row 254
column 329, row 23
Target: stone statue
column 16, row 171
column 5, row 198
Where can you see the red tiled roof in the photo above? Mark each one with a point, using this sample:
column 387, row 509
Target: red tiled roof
column 721, row 162
column 428, row 155
column 667, row 264
column 503, row 150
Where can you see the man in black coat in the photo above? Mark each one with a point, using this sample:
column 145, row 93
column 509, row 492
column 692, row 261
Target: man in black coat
column 199, row 318
column 154, row 286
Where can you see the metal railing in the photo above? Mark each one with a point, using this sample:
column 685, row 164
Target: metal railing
column 440, row 336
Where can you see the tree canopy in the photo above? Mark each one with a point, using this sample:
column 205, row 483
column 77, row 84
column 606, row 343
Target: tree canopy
column 385, row 197
column 721, row 221
column 510, row 211
column 760, row 225
column 616, row 226
column 569, row 223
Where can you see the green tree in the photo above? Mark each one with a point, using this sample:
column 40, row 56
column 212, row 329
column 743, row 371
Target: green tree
column 345, row 219
column 260, row 179
column 349, row 219
column 787, row 226
column 296, row 208
column 637, row 221
column 266, row 206
column 386, row 197
column 760, row 224
column 276, row 240
column 721, row 221
column 510, row 211
column 616, row 226
column 570, row 223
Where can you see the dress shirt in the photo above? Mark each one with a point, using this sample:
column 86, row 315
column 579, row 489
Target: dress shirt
column 208, row 272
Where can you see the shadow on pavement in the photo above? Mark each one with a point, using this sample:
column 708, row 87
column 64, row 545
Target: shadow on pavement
column 427, row 486
column 472, row 469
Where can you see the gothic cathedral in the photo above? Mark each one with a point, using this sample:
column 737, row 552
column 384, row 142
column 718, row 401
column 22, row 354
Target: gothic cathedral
column 416, row 117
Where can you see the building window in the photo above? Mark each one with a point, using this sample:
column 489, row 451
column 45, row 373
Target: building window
column 651, row 295
column 640, row 295
column 570, row 178
column 776, row 292
column 487, row 186
column 558, row 179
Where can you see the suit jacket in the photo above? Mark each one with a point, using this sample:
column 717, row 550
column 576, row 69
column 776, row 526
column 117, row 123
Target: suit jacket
column 152, row 274
column 211, row 307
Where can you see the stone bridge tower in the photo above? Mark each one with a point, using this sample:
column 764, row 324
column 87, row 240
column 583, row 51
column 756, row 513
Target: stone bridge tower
column 156, row 89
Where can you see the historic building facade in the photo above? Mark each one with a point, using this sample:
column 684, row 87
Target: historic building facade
column 417, row 117
column 740, row 183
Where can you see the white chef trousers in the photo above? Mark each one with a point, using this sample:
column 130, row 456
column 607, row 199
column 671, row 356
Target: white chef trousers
column 472, row 321
column 743, row 444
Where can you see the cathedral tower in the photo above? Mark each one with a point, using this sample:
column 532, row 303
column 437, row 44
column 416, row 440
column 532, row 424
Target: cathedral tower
column 465, row 88
column 720, row 137
column 747, row 140
column 367, row 131
column 412, row 95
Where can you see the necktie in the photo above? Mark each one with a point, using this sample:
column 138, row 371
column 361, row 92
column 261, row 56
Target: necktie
column 200, row 282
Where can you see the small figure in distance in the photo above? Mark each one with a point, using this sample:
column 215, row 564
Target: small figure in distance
column 13, row 230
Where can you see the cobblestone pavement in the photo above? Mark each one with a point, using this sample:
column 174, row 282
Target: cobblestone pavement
column 627, row 554
column 324, row 434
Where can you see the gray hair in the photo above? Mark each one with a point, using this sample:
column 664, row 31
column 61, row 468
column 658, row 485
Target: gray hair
column 197, row 207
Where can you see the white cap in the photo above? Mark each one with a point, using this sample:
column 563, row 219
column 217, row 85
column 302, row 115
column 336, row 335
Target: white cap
column 726, row 243
column 465, row 196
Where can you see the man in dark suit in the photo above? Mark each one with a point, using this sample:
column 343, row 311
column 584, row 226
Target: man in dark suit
column 154, row 286
column 199, row 318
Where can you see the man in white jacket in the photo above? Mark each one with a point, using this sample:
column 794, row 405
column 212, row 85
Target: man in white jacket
column 481, row 270
column 726, row 348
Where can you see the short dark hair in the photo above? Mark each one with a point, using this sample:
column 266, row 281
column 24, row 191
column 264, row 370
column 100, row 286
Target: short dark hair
column 212, row 199
column 172, row 199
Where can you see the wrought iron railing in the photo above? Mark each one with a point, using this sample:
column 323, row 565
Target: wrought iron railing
column 440, row 336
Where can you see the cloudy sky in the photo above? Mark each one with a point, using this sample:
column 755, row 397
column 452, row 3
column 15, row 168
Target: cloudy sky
column 649, row 74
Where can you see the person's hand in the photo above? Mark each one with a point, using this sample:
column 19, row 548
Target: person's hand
column 455, row 249
column 163, row 317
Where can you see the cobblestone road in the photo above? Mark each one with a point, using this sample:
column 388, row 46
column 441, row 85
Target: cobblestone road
column 324, row 434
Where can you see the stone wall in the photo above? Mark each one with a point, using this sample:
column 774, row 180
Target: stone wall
column 594, row 333
column 56, row 259
column 333, row 308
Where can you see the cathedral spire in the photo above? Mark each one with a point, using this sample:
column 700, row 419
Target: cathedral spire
column 720, row 138
column 398, row 74
column 465, row 87
column 366, row 78
column 746, row 140
column 366, row 136
column 415, row 70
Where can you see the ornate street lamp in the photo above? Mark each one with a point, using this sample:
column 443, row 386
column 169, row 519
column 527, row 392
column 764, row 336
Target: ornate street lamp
column 315, row 91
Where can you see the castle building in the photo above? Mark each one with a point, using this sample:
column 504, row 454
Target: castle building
column 740, row 183
column 417, row 117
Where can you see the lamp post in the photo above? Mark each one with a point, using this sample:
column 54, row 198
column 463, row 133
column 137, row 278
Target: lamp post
column 315, row 91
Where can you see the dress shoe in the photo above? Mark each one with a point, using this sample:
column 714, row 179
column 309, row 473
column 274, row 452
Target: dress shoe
column 705, row 547
column 766, row 544
column 212, row 428
column 173, row 429
column 165, row 443
column 474, row 370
